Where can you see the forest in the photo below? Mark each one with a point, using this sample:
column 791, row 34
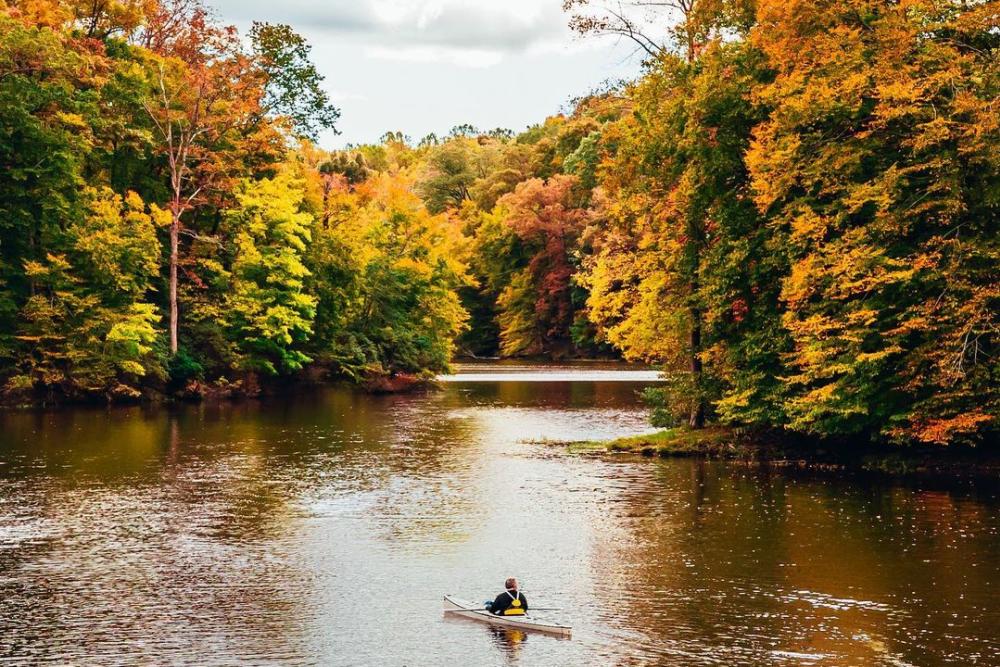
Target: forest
column 794, row 212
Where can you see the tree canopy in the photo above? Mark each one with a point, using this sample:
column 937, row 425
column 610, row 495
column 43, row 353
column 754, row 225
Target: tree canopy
column 793, row 212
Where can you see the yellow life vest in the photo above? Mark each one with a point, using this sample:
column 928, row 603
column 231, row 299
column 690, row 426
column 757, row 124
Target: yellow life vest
column 515, row 607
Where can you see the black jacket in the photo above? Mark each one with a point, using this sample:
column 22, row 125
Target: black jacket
column 504, row 600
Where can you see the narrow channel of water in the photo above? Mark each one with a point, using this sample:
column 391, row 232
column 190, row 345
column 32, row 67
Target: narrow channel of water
column 325, row 528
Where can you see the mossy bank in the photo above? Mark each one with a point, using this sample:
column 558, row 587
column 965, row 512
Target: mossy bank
column 782, row 451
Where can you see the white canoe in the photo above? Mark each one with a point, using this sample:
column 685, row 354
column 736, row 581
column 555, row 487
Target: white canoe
column 466, row 609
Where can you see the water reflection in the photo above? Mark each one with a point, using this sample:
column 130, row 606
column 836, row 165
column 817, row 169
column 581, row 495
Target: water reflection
column 807, row 572
column 325, row 528
column 509, row 642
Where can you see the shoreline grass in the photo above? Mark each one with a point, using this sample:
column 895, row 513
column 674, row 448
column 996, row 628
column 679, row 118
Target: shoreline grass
column 724, row 443
column 675, row 442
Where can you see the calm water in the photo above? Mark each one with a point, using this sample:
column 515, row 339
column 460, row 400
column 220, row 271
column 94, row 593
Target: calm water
column 325, row 529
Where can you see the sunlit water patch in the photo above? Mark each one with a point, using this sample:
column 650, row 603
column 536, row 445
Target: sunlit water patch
column 575, row 372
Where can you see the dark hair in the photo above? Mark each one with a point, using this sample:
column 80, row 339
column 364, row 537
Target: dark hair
column 511, row 583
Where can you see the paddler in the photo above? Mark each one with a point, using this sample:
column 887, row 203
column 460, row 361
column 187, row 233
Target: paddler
column 511, row 602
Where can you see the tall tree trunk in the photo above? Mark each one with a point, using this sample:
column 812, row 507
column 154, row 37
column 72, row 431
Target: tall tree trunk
column 32, row 285
column 697, row 419
column 175, row 224
column 326, row 202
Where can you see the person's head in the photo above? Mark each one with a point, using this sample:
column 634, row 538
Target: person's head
column 511, row 584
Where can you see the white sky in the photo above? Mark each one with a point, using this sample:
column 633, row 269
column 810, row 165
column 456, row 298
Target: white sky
column 423, row 66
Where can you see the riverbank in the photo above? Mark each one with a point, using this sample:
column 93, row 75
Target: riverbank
column 782, row 451
column 239, row 387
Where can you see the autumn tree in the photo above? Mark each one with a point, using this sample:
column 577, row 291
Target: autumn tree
column 76, row 261
column 674, row 35
column 292, row 86
column 173, row 28
column 450, row 172
column 266, row 309
column 792, row 211
column 88, row 324
column 660, row 27
column 210, row 108
column 879, row 167
column 387, row 274
column 543, row 219
column 100, row 19
column 197, row 112
column 43, row 145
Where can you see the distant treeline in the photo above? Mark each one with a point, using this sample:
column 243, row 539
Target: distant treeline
column 795, row 211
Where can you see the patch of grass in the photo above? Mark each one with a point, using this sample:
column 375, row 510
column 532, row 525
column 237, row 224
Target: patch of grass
column 585, row 447
column 782, row 451
column 712, row 441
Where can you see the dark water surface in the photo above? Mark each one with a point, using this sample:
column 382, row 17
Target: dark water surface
column 325, row 528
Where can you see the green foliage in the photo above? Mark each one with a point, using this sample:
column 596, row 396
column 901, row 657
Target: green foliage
column 267, row 311
column 47, row 95
column 354, row 168
column 182, row 368
column 293, row 86
column 807, row 214
column 583, row 161
column 84, row 328
column 451, row 171
column 81, row 251
column 117, row 243
column 387, row 274
column 483, row 335
column 665, row 410
column 78, row 345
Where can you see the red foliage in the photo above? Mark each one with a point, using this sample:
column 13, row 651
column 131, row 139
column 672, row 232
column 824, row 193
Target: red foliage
column 546, row 217
column 739, row 309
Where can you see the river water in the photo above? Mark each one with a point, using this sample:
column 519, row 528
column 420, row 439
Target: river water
column 325, row 529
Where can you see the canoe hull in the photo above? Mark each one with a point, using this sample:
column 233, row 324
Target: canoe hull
column 465, row 609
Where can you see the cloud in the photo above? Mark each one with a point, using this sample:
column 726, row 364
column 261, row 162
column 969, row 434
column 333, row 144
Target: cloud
column 467, row 24
column 475, row 33
column 339, row 15
column 475, row 58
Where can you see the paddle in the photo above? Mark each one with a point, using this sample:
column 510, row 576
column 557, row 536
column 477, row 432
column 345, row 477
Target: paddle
column 530, row 609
